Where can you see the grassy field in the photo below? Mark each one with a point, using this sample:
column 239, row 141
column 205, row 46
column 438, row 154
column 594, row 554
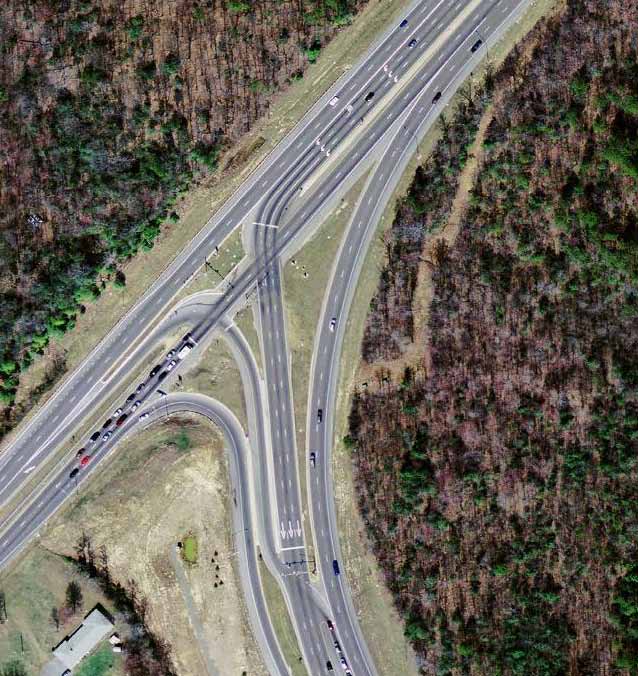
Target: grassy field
column 217, row 375
column 33, row 587
column 281, row 622
column 189, row 549
column 99, row 663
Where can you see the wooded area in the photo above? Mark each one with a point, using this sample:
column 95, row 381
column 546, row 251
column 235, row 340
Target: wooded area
column 498, row 479
column 108, row 110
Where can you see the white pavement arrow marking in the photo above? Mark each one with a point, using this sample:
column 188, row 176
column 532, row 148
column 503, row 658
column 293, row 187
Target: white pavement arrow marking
column 283, row 531
column 291, row 532
column 29, row 469
column 298, row 529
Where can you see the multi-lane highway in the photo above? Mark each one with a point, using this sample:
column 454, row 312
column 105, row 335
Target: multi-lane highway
column 372, row 117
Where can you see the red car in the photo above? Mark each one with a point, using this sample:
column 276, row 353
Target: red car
column 85, row 460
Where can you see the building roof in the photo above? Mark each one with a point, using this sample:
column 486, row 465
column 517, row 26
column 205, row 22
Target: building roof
column 82, row 641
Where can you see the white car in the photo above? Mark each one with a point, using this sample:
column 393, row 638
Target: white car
column 171, row 366
column 136, row 405
column 333, row 101
column 349, row 109
column 118, row 412
column 144, row 415
column 333, row 323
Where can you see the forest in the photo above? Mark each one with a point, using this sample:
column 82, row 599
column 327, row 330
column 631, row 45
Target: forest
column 108, row 111
column 498, row 476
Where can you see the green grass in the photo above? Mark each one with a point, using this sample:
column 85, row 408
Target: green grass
column 98, row 664
column 181, row 440
column 190, row 549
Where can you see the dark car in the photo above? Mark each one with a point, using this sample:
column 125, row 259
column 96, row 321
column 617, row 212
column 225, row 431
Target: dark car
column 161, row 376
column 80, row 453
column 329, row 666
column 94, row 437
column 404, row 23
column 319, row 415
column 73, row 473
column 155, row 370
column 313, row 459
column 369, row 97
column 131, row 397
column 412, row 43
column 476, row 45
column 335, row 567
column 330, row 625
column 186, row 338
column 107, row 422
column 437, row 96
column 121, row 419
column 140, row 387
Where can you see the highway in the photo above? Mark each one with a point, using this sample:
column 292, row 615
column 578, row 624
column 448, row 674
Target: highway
column 412, row 71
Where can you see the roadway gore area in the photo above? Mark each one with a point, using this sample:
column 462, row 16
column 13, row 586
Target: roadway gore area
column 496, row 459
column 167, row 484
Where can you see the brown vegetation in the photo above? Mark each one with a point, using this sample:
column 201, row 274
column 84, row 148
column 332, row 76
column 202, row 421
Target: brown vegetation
column 499, row 478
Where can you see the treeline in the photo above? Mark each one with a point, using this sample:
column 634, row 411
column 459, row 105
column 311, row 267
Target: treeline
column 105, row 118
column 145, row 653
column 499, row 478
column 390, row 322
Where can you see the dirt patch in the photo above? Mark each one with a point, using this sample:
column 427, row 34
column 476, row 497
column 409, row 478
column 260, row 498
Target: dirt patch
column 169, row 480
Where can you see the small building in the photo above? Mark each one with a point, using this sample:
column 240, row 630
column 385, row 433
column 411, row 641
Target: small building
column 114, row 639
column 76, row 646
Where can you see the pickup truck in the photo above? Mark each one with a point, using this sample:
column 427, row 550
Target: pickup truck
column 184, row 351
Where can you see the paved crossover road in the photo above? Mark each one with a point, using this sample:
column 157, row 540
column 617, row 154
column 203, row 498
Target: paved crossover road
column 376, row 112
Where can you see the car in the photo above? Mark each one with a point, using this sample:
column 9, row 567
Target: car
column 73, row 474
column 94, row 437
column 136, row 405
column 319, row 415
column 317, row 141
column 335, row 567
column 348, row 672
column 349, row 109
column 121, row 419
column 144, row 415
column 369, row 97
column 403, row 24
column 188, row 338
column 117, row 412
column 171, row 365
column 313, row 459
column 437, row 96
column 107, row 422
column 161, row 376
column 337, row 646
column 333, row 323
column 140, row 387
column 412, row 43
column 170, row 354
column 344, row 664
column 329, row 666
column 155, row 370
column 333, row 101
column 107, row 435
column 476, row 45
column 330, row 625
column 80, row 453
column 130, row 397
column 85, row 460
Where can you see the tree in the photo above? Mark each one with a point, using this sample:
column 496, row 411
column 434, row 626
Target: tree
column 13, row 669
column 55, row 617
column 74, row 596
column 3, row 608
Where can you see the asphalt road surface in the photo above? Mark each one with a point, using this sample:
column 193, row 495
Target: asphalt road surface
column 383, row 106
